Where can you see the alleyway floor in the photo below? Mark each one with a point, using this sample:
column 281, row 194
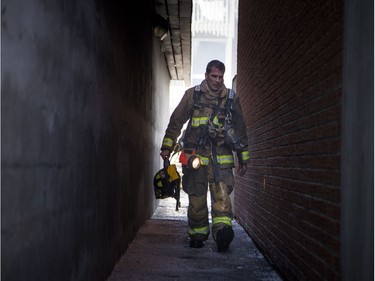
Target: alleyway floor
column 160, row 251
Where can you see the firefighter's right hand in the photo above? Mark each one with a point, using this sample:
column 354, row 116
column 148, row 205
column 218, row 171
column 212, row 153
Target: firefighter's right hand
column 165, row 153
column 242, row 168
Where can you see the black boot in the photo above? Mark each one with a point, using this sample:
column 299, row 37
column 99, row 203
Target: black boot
column 223, row 238
column 196, row 243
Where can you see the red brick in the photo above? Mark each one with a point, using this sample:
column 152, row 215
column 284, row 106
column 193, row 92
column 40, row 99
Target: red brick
column 289, row 81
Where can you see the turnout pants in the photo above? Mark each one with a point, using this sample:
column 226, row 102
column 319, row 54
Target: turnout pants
column 195, row 183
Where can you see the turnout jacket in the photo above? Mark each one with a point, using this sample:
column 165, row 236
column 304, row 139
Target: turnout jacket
column 205, row 129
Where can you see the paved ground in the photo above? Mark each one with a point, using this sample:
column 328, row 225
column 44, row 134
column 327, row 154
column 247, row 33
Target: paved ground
column 161, row 252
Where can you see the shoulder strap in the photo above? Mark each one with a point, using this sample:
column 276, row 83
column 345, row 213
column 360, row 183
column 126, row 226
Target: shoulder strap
column 231, row 94
column 196, row 98
column 197, row 93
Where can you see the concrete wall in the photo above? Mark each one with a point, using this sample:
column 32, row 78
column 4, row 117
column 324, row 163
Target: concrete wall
column 290, row 83
column 81, row 84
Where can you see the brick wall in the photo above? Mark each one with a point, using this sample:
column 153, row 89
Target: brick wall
column 289, row 81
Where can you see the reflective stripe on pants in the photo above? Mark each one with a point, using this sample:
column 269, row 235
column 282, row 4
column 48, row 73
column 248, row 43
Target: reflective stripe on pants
column 198, row 217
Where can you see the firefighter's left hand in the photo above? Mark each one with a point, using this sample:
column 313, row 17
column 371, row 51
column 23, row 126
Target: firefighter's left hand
column 242, row 168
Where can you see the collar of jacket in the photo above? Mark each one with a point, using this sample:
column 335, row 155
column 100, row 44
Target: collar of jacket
column 210, row 94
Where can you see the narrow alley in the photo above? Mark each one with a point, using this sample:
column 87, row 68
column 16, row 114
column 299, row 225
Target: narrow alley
column 85, row 92
column 160, row 251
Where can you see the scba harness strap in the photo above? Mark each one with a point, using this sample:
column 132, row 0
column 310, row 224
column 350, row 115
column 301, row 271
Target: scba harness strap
column 229, row 106
column 228, row 110
column 216, row 108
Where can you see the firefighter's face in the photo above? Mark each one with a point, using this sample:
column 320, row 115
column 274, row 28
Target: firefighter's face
column 215, row 79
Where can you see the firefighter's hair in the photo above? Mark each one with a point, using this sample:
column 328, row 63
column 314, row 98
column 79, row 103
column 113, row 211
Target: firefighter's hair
column 215, row 63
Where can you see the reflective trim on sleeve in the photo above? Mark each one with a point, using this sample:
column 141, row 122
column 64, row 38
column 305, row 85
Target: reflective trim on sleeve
column 167, row 142
column 225, row 159
column 224, row 220
column 245, row 155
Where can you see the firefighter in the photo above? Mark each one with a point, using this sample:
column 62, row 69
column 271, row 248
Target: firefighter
column 215, row 130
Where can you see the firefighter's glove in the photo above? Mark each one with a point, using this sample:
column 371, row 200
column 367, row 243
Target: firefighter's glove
column 242, row 168
column 165, row 153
